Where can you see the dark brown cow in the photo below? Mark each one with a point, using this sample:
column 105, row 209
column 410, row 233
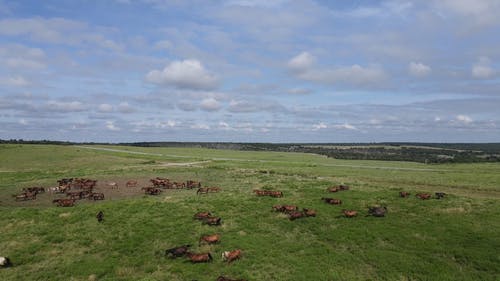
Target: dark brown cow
column 202, row 215
column 100, row 216
column 96, row 196
column 349, row 213
column 209, row 239
column 202, row 190
column 177, row 251
column 288, row 208
column 404, row 194
column 190, row 184
column 440, row 195
column 424, row 196
column 377, row 211
column 332, row 189
column 212, row 220
column 332, row 201
column 25, row 196
column 343, row 187
column 197, row 258
column 231, row 256
column 295, row 215
column 223, row 278
column 275, row 194
column 64, row 202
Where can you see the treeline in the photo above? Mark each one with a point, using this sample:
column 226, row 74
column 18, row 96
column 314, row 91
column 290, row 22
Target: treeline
column 415, row 152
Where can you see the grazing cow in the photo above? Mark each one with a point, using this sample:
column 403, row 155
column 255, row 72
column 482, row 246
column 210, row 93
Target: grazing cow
column 309, row 212
column 131, row 183
column 153, row 191
column 332, row 189
column 424, row 196
column 377, row 211
column 260, row 192
column 190, row 184
column 64, row 202
column 209, row 239
column 332, row 201
column 295, row 215
column 343, row 187
column 404, row 194
column 96, row 196
column 440, row 195
column 177, row 251
column 76, row 195
column 231, row 256
column 277, row 208
column 202, row 190
column 25, row 196
column 197, row 258
column 100, row 216
column 275, row 193
column 288, row 208
column 212, row 220
column 214, row 189
column 5, row 262
column 349, row 213
column 223, row 278
column 202, row 215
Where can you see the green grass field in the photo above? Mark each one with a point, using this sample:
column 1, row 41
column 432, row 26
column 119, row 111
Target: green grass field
column 457, row 238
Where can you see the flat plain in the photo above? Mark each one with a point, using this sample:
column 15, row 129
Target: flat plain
column 454, row 238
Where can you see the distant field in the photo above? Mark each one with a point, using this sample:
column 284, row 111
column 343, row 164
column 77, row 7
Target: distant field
column 456, row 238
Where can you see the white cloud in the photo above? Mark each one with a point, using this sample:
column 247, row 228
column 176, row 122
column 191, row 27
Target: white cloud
column 303, row 67
column 464, row 119
column 73, row 106
column 14, row 81
column 477, row 12
column 105, row 108
column 124, row 107
column 200, row 127
column 302, row 62
column 186, row 74
column 110, row 125
column 419, row 69
column 319, row 126
column 210, row 104
column 482, row 69
column 345, row 126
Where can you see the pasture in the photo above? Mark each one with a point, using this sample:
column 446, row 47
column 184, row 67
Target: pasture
column 454, row 238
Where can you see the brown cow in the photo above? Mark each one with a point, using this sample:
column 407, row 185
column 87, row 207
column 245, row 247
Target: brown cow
column 209, row 239
column 260, row 192
column 309, row 212
column 349, row 213
column 190, row 184
column 231, row 256
column 295, row 215
column 131, row 183
column 65, row 202
column 424, row 196
column 333, row 189
column 202, row 215
column 212, row 221
column 197, row 258
column 288, row 208
column 404, row 194
column 202, row 190
column 275, row 193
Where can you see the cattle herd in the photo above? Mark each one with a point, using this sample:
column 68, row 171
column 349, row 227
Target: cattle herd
column 80, row 188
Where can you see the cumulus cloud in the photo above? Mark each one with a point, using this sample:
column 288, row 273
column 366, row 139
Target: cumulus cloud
column 105, row 108
column 482, row 69
column 302, row 62
column 185, row 74
column 14, row 81
column 210, row 104
column 319, row 126
column 303, row 67
column 124, row 107
column 110, row 125
column 419, row 69
column 464, row 119
column 73, row 106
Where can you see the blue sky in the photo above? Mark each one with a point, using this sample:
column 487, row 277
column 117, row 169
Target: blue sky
column 250, row 70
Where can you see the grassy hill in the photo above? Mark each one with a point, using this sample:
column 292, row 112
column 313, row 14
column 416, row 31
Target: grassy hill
column 451, row 239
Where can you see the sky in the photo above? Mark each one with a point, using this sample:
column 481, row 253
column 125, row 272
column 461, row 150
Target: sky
column 250, row 70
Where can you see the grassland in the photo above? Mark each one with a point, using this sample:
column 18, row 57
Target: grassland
column 457, row 238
